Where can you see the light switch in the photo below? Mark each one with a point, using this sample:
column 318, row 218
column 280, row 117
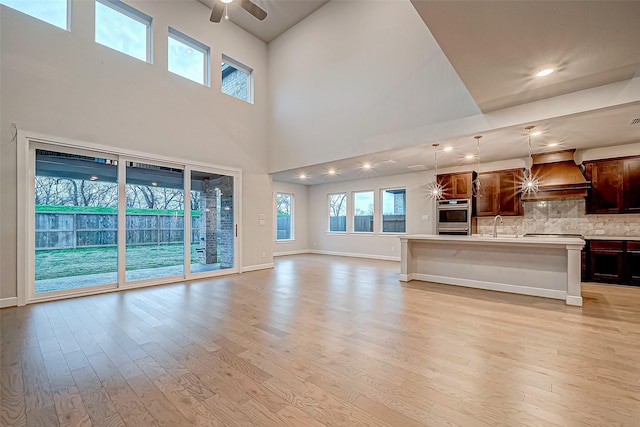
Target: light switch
column 425, row 217
column 263, row 222
column 261, row 216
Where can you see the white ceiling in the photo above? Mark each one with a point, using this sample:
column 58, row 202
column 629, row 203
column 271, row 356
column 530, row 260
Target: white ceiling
column 496, row 47
column 602, row 128
column 281, row 15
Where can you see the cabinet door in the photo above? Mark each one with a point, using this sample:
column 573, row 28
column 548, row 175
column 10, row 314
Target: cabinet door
column 606, row 186
column 487, row 199
column 606, row 261
column 633, row 263
column 631, row 186
column 445, row 181
column 461, row 185
column 509, row 194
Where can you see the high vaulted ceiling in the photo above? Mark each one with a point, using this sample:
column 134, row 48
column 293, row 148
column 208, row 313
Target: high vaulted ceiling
column 496, row 47
column 281, row 15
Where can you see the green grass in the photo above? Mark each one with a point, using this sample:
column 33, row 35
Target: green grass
column 56, row 263
column 101, row 210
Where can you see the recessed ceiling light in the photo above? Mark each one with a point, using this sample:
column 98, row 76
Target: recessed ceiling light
column 448, row 148
column 553, row 144
column 302, row 176
column 154, row 184
column 366, row 166
column 544, row 72
column 93, row 178
column 469, row 156
column 331, row 171
column 536, row 133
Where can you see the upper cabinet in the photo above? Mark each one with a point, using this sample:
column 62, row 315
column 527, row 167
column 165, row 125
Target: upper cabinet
column 615, row 185
column 499, row 193
column 457, row 185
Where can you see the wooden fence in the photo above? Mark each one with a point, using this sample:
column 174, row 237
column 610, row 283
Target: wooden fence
column 85, row 230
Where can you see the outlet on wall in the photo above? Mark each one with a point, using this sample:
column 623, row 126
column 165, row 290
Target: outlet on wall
column 314, row 244
column 264, row 254
column 393, row 248
column 599, row 231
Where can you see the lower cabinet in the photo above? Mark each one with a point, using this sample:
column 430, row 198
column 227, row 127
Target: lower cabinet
column 612, row 261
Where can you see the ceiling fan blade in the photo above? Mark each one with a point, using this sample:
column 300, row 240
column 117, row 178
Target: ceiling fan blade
column 216, row 12
column 253, row 9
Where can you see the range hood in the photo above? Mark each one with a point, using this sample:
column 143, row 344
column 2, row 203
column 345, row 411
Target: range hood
column 558, row 177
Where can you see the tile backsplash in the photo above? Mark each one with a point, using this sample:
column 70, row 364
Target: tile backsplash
column 564, row 216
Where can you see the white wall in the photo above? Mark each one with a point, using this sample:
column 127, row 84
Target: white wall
column 300, row 243
column 376, row 245
column 65, row 85
column 350, row 75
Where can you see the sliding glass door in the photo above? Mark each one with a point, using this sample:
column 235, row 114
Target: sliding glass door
column 212, row 222
column 108, row 220
column 155, row 221
column 76, row 227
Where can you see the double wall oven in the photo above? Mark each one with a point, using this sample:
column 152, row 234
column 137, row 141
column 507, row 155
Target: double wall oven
column 454, row 217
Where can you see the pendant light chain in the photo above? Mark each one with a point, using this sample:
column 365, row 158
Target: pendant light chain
column 435, row 189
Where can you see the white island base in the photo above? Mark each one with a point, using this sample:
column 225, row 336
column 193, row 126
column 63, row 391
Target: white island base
column 544, row 267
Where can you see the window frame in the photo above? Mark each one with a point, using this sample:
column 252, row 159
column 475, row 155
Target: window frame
column 389, row 233
column 353, row 213
column 135, row 14
column 68, row 15
column 292, row 236
column 186, row 40
column 247, row 70
column 346, row 213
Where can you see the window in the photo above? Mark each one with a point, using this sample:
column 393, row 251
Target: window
column 338, row 212
column 55, row 12
column 188, row 57
column 394, row 210
column 123, row 28
column 363, row 212
column 237, row 79
column 284, row 210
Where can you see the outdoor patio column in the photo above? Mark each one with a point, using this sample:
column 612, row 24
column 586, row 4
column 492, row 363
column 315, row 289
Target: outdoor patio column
column 227, row 225
column 208, row 226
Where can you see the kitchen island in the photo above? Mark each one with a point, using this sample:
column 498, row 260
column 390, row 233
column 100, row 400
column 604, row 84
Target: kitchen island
column 544, row 267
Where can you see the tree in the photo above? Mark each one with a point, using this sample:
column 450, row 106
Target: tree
column 337, row 204
column 283, row 204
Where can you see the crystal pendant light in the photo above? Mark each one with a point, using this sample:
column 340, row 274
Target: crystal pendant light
column 477, row 185
column 529, row 181
column 435, row 189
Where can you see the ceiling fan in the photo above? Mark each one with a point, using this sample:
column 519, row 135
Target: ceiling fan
column 220, row 9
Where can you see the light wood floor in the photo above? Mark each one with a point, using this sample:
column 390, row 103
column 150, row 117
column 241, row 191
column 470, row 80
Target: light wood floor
column 323, row 341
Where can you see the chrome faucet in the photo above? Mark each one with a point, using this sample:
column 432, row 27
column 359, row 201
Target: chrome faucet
column 495, row 225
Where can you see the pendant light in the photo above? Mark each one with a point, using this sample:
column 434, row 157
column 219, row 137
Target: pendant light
column 435, row 189
column 477, row 185
column 529, row 181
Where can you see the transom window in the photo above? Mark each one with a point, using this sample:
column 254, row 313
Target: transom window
column 237, row 79
column 123, row 28
column 394, row 210
column 55, row 12
column 284, row 210
column 188, row 57
column 363, row 212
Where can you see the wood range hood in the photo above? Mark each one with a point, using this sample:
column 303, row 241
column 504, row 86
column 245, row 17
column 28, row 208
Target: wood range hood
column 559, row 177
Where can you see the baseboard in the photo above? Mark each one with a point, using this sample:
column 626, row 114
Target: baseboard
column 574, row 300
column 353, row 255
column 257, row 267
column 298, row 252
column 8, row 302
column 492, row 286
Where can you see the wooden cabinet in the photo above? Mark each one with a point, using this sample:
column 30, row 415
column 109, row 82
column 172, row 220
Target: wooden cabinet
column 500, row 193
column 631, row 186
column 457, row 185
column 612, row 261
column 615, row 186
column 633, row 263
column 606, row 260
